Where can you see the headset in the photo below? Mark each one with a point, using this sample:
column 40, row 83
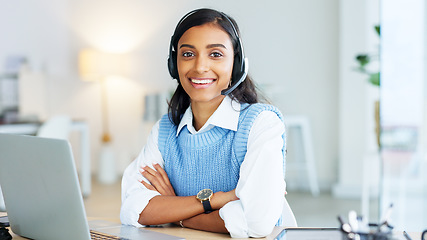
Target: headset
column 240, row 65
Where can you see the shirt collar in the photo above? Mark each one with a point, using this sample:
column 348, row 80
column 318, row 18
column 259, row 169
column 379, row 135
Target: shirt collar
column 225, row 116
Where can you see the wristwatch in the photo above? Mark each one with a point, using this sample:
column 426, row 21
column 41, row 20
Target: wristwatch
column 204, row 196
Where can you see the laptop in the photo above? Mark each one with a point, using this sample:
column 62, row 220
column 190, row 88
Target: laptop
column 42, row 194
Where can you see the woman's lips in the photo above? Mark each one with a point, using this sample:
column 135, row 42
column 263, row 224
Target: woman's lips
column 201, row 82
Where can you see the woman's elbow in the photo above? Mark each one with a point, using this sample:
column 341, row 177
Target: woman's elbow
column 144, row 219
column 129, row 218
column 259, row 230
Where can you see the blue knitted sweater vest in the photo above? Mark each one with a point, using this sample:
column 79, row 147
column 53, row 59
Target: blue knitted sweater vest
column 210, row 159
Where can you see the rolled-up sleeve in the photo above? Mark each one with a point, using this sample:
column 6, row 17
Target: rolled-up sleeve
column 136, row 196
column 261, row 186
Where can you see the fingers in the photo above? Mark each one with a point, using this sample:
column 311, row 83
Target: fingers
column 159, row 180
column 162, row 173
column 148, row 186
column 165, row 178
column 148, row 170
column 150, row 175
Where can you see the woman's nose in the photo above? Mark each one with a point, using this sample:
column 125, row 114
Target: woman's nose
column 202, row 64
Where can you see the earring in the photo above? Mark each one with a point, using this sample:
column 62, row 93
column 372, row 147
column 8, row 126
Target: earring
column 229, row 83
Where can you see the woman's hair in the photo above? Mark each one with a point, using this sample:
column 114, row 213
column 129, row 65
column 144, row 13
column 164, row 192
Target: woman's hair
column 246, row 92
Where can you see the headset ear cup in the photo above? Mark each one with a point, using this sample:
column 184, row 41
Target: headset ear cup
column 173, row 70
column 170, row 66
column 238, row 67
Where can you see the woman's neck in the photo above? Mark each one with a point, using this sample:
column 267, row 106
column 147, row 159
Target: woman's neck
column 202, row 111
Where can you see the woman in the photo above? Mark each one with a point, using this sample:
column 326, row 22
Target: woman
column 215, row 162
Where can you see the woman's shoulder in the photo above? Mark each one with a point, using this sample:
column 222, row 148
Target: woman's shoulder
column 255, row 109
column 165, row 120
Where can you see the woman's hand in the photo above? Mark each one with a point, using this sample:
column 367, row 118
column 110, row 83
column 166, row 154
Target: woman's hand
column 219, row 199
column 159, row 180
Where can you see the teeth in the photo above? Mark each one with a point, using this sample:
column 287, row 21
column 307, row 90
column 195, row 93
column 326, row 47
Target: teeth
column 204, row 81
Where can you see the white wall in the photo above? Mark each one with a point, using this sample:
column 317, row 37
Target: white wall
column 292, row 46
column 34, row 28
column 356, row 96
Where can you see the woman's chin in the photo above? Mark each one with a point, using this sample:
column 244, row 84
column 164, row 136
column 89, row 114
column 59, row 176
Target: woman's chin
column 206, row 98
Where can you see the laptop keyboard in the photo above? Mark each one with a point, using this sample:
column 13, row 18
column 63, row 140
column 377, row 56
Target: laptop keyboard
column 94, row 235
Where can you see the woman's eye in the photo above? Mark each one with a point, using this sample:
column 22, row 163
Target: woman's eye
column 187, row 54
column 216, row 54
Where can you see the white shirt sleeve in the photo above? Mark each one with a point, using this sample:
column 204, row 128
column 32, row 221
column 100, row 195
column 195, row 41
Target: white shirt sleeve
column 261, row 186
column 136, row 196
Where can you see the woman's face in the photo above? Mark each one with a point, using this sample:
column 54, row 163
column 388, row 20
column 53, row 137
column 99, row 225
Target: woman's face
column 205, row 58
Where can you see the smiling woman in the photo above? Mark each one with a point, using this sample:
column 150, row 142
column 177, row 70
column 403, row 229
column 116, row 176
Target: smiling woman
column 216, row 161
column 205, row 62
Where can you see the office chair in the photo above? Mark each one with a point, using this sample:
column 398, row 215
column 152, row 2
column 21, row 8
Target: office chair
column 55, row 127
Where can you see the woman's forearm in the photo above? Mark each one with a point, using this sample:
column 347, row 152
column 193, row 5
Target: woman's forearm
column 211, row 222
column 167, row 209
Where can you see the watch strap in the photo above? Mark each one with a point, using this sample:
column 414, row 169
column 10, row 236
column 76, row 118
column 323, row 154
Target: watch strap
column 207, row 206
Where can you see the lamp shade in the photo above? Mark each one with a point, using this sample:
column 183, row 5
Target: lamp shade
column 94, row 64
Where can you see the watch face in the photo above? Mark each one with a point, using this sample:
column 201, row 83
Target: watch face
column 204, row 194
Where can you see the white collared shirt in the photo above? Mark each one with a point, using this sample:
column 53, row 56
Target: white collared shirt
column 225, row 117
column 260, row 188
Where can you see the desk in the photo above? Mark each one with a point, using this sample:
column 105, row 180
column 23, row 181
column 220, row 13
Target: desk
column 190, row 234
column 81, row 127
column 186, row 233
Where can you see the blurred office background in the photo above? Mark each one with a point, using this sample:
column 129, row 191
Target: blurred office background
column 302, row 54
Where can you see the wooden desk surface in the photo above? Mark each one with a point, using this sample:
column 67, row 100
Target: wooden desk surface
column 191, row 234
column 186, row 233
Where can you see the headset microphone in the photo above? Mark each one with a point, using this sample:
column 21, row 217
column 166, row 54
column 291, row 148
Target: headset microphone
column 237, row 83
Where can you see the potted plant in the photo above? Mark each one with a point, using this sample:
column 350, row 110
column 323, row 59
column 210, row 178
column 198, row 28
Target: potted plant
column 364, row 60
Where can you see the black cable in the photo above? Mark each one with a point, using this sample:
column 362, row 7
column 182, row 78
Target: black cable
column 4, row 234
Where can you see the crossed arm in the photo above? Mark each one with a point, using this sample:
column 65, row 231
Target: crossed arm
column 253, row 215
column 169, row 208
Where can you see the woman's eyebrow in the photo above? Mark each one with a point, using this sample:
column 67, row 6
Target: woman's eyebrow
column 216, row 45
column 213, row 45
column 186, row 45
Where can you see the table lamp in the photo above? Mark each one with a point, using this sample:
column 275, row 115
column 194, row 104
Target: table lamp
column 98, row 66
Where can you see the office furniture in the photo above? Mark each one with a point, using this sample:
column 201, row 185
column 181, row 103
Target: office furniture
column 79, row 126
column 304, row 152
column 190, row 234
column 56, row 127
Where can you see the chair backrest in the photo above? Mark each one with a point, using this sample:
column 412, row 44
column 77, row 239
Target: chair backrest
column 55, row 127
